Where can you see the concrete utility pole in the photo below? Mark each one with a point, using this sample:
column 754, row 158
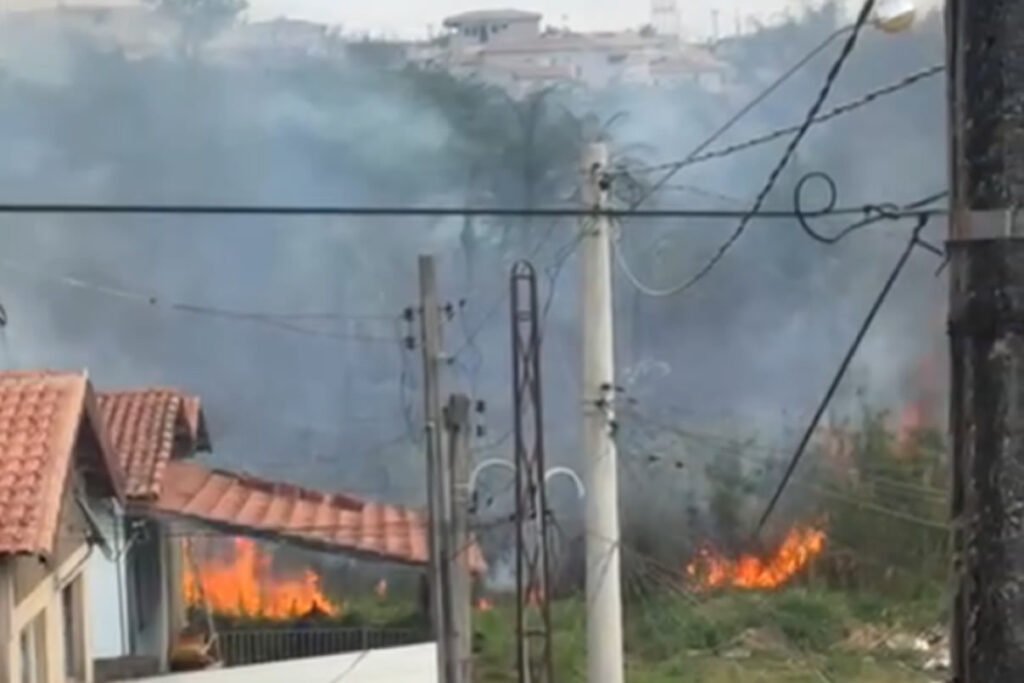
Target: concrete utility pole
column 604, row 599
column 457, row 423
column 440, row 590
column 986, row 81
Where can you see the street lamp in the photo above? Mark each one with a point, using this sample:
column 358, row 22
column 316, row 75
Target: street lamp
column 895, row 16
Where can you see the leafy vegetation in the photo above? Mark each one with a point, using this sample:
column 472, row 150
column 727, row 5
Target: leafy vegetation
column 791, row 635
column 878, row 491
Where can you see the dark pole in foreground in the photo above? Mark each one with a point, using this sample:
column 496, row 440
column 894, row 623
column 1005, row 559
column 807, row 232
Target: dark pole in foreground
column 986, row 323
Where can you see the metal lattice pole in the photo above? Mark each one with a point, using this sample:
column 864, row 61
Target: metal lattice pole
column 533, row 614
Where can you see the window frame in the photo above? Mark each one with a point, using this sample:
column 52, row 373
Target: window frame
column 73, row 627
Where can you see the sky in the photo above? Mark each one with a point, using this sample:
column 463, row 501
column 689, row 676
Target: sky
column 412, row 17
column 415, row 18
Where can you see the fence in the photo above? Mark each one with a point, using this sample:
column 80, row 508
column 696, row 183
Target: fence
column 256, row 646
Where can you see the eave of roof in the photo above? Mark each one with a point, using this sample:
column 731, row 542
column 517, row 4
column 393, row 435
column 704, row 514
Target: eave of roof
column 245, row 505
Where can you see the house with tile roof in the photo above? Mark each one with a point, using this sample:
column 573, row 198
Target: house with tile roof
column 169, row 495
column 55, row 463
column 141, row 606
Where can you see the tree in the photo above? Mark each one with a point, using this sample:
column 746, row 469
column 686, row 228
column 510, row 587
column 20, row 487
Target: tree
column 200, row 20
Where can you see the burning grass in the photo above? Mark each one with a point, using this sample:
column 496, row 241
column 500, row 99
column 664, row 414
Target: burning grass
column 801, row 545
column 241, row 582
column 244, row 589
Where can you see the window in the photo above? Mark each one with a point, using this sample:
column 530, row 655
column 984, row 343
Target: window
column 28, row 657
column 33, row 651
column 74, row 651
column 145, row 561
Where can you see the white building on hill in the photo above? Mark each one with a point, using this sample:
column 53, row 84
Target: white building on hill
column 511, row 49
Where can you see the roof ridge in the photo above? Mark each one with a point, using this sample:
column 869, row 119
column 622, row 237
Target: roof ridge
column 145, row 389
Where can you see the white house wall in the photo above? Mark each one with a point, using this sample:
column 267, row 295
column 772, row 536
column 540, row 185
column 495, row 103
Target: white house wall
column 108, row 586
column 44, row 602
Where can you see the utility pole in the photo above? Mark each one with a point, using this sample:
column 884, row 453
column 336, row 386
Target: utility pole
column 986, row 321
column 457, row 423
column 440, row 589
column 533, row 574
column 604, row 592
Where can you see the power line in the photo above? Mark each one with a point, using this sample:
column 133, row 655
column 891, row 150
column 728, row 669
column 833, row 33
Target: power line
column 841, row 371
column 787, row 154
column 553, row 272
column 735, row 118
column 469, row 337
column 881, row 212
column 381, row 532
column 385, row 212
column 675, row 166
column 875, row 214
column 276, row 321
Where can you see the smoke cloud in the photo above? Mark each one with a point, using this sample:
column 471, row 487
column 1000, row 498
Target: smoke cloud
column 752, row 347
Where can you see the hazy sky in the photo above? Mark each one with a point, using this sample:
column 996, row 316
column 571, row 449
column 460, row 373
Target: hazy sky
column 406, row 17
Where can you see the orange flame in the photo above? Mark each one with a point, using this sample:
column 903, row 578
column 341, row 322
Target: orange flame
column 484, row 605
column 750, row 572
column 244, row 585
column 911, row 421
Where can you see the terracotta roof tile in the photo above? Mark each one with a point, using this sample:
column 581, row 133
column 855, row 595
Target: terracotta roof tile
column 286, row 513
column 145, row 426
column 41, row 419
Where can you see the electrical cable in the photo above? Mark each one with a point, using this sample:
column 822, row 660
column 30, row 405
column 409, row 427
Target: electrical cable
column 385, row 212
column 381, row 531
column 836, row 112
column 742, row 112
column 776, row 173
column 275, row 321
column 553, row 272
column 470, row 336
column 874, row 214
column 841, row 371
column 351, row 667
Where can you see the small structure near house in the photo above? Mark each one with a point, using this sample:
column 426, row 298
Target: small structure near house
column 55, row 460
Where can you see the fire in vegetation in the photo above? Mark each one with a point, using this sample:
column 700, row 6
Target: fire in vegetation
column 710, row 570
column 242, row 583
column 912, row 420
column 484, row 605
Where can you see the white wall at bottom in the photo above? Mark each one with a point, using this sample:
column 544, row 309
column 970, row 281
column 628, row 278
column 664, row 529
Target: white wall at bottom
column 411, row 664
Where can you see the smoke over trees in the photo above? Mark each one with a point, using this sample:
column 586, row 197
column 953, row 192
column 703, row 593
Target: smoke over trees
column 335, row 403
